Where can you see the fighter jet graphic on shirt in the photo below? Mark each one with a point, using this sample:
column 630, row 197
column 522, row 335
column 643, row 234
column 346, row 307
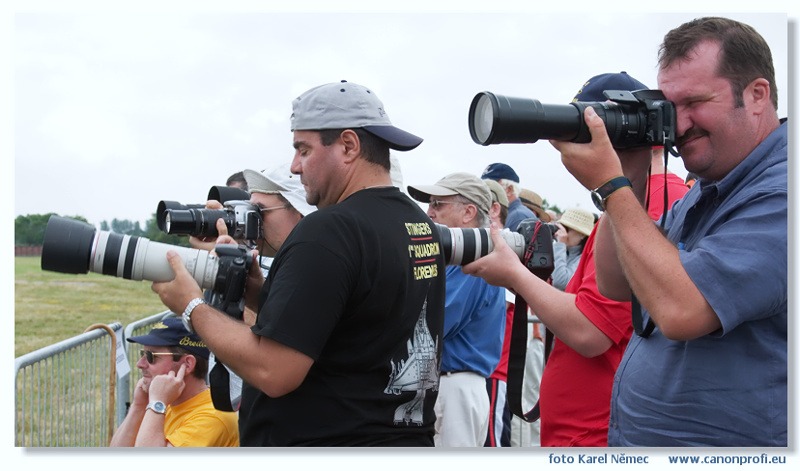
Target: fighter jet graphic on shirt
column 418, row 373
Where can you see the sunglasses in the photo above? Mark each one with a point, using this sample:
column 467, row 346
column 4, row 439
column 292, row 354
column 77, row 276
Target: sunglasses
column 151, row 356
column 437, row 204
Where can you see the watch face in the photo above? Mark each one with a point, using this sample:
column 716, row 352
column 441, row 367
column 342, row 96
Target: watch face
column 159, row 407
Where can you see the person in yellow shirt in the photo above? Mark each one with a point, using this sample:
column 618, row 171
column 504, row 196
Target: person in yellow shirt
column 172, row 402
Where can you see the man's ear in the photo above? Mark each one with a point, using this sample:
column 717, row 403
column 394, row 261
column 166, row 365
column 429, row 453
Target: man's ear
column 351, row 143
column 191, row 363
column 758, row 93
column 470, row 213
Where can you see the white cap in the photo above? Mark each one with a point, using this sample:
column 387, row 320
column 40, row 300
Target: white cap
column 280, row 180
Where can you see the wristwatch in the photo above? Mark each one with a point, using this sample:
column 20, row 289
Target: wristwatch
column 158, row 407
column 601, row 193
column 187, row 313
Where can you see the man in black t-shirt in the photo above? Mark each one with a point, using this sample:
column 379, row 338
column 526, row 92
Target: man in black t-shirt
column 346, row 347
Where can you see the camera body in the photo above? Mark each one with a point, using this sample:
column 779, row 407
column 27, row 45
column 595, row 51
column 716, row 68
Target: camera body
column 632, row 119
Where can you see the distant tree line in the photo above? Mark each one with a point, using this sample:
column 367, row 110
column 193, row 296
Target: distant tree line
column 29, row 230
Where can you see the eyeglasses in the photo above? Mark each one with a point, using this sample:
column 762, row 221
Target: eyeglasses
column 271, row 208
column 437, row 204
column 151, row 356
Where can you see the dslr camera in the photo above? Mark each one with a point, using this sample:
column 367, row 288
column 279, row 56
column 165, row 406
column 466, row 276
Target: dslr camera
column 242, row 218
column 632, row 119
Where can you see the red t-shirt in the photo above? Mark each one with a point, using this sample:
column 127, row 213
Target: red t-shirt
column 676, row 188
column 575, row 393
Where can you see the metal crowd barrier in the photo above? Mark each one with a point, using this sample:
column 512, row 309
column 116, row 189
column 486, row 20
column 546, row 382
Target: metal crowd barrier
column 70, row 394
column 64, row 393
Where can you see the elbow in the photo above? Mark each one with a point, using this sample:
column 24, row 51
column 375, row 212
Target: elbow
column 592, row 345
column 276, row 389
column 685, row 325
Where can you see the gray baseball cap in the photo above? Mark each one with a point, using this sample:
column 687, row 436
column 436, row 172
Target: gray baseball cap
column 280, row 180
column 343, row 105
column 460, row 183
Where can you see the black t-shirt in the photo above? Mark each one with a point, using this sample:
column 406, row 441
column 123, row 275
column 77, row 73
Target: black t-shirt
column 358, row 287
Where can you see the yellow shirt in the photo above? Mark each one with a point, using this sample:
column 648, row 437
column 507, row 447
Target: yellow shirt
column 197, row 423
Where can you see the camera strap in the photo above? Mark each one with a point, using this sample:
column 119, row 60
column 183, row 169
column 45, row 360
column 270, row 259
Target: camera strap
column 519, row 343
column 226, row 388
column 516, row 361
column 637, row 318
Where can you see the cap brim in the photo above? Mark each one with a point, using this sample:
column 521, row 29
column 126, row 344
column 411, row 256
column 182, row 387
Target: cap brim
column 423, row 193
column 259, row 183
column 396, row 137
column 298, row 202
column 148, row 339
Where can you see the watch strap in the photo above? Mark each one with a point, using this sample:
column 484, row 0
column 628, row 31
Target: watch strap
column 187, row 313
column 606, row 189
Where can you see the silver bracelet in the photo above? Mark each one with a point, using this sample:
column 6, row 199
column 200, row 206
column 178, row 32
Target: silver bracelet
column 187, row 313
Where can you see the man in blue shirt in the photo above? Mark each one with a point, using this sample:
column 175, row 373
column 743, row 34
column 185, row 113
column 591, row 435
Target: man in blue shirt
column 713, row 370
column 474, row 317
column 508, row 179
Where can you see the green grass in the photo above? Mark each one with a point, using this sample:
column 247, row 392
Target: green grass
column 50, row 307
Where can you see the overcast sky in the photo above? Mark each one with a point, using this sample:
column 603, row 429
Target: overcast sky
column 117, row 111
column 114, row 111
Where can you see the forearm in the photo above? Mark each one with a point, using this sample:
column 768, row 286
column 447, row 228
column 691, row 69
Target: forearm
column 261, row 362
column 652, row 266
column 125, row 435
column 558, row 312
column 151, row 431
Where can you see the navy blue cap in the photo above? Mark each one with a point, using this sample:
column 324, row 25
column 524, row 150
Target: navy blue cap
column 593, row 89
column 500, row 171
column 170, row 332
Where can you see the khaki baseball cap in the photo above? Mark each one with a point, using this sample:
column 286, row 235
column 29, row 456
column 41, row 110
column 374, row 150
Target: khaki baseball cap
column 460, row 183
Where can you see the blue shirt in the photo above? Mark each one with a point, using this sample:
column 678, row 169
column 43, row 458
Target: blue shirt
column 727, row 388
column 517, row 212
column 474, row 323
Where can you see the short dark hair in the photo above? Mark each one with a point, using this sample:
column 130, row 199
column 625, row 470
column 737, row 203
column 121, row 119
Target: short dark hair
column 745, row 54
column 201, row 364
column 373, row 148
column 238, row 180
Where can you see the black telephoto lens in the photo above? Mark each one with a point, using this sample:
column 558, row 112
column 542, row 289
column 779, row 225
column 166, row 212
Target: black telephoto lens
column 196, row 222
column 498, row 119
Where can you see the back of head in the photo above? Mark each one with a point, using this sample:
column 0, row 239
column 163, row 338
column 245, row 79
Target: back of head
column 745, row 56
column 592, row 89
column 498, row 193
column 499, row 171
column 531, row 200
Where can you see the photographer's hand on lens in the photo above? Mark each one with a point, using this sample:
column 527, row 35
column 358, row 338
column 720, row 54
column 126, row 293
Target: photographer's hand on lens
column 501, row 266
column 208, row 243
column 594, row 163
